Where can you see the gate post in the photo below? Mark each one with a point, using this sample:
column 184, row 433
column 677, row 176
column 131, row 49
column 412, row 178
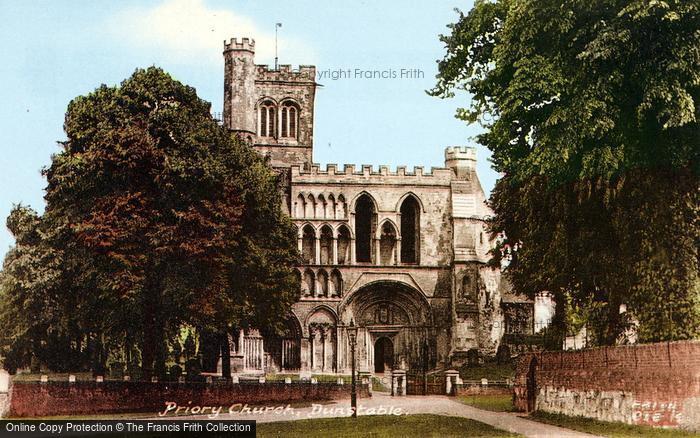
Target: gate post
column 451, row 377
column 398, row 382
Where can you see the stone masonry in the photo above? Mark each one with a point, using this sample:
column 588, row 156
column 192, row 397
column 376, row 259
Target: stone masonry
column 400, row 252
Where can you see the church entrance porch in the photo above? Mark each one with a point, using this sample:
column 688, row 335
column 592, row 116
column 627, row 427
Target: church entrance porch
column 394, row 321
column 383, row 355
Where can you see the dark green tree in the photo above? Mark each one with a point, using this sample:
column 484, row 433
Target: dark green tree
column 591, row 114
column 165, row 218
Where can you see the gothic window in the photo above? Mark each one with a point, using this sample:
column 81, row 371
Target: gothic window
column 326, row 245
column 364, row 229
column 387, row 244
column 311, row 207
column 308, row 245
column 301, row 206
column 308, row 285
column 288, row 120
column 410, row 230
column 343, row 245
column 336, row 283
column 322, row 284
column 266, row 119
column 342, row 208
column 331, row 207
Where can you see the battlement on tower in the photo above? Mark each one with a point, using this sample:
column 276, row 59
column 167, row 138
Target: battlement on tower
column 381, row 174
column 245, row 44
column 285, row 73
column 460, row 153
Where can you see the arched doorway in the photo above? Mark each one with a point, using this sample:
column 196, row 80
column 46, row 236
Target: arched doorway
column 383, row 355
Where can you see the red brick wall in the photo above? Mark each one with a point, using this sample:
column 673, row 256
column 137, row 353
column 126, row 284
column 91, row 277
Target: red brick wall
column 62, row 398
column 653, row 384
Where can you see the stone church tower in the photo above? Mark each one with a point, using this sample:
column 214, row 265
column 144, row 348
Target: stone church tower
column 402, row 253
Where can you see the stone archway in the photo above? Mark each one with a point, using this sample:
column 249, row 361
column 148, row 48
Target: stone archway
column 395, row 311
column 383, row 355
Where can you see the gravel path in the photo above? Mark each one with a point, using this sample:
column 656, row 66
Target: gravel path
column 384, row 404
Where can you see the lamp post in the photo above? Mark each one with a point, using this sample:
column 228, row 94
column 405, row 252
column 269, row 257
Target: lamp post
column 352, row 336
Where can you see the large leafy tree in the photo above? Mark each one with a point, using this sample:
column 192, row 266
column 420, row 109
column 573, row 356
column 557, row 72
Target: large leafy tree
column 161, row 218
column 591, row 114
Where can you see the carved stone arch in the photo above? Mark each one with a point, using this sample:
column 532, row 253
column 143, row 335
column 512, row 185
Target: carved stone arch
column 321, row 314
column 321, row 205
column 326, row 237
column 353, row 203
column 308, row 243
column 332, row 206
column 266, row 99
column 347, row 228
column 310, row 206
column 390, row 222
column 344, row 238
column 342, row 212
column 401, row 292
column 407, row 195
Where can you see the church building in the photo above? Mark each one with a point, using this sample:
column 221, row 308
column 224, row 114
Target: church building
column 402, row 253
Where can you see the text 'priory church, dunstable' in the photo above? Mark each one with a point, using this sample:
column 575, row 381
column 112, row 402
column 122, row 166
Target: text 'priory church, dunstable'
column 401, row 252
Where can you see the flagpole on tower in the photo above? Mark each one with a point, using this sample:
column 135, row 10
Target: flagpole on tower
column 277, row 26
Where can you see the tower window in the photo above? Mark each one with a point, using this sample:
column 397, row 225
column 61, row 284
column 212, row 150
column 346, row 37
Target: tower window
column 288, row 120
column 266, row 119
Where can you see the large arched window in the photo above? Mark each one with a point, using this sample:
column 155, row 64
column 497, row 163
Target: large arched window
column 289, row 120
column 410, row 230
column 267, row 119
column 364, row 229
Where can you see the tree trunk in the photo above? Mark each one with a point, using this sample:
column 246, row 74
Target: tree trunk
column 225, row 355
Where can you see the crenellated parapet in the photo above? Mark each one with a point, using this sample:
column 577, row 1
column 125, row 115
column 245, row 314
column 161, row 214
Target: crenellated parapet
column 244, row 44
column 285, row 73
column 382, row 174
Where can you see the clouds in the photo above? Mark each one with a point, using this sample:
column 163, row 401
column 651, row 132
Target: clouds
column 188, row 31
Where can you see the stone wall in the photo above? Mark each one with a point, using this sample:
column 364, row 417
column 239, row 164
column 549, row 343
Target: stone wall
column 648, row 384
column 90, row 398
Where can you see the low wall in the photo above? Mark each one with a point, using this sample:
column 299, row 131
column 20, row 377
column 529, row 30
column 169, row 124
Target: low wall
column 63, row 398
column 648, row 384
column 478, row 389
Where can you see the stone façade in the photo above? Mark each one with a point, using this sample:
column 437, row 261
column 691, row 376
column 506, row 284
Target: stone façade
column 402, row 253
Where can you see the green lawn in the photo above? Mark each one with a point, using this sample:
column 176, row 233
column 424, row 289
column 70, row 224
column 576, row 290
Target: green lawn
column 496, row 403
column 489, row 370
column 381, row 426
column 605, row 428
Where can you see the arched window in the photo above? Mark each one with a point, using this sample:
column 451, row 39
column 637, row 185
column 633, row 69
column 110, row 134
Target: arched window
column 336, row 284
column 387, row 244
column 364, row 229
column 322, row 284
column 326, row 245
column 267, row 119
column 289, row 121
column 301, row 206
column 308, row 286
column 410, row 230
column 311, row 206
column 342, row 208
column 331, row 207
column 343, row 245
column 308, row 245
column 321, row 207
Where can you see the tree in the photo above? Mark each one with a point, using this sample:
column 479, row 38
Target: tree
column 591, row 114
column 165, row 218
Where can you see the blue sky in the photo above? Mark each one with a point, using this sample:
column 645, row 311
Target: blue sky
column 53, row 51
